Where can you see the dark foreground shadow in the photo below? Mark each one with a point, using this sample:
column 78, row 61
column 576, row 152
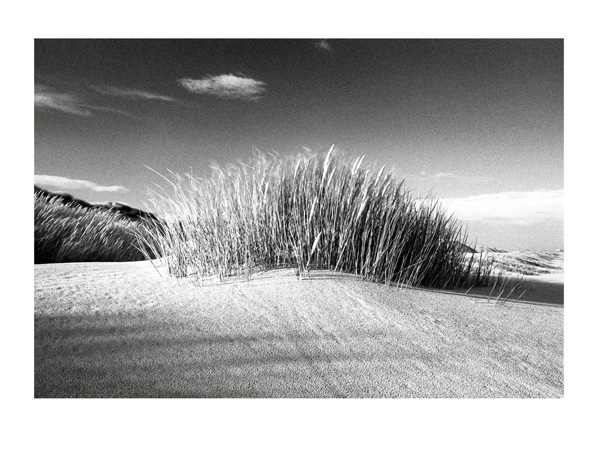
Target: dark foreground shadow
column 85, row 356
column 529, row 290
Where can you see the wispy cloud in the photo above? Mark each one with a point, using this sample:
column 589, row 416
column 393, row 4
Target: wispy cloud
column 69, row 183
column 440, row 175
column 134, row 94
column 47, row 99
column 323, row 45
column 516, row 208
column 226, row 86
column 423, row 175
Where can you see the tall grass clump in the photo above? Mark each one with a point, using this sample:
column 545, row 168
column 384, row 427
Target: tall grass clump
column 309, row 211
column 71, row 233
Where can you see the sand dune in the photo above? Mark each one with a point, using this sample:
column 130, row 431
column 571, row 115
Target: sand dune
column 120, row 330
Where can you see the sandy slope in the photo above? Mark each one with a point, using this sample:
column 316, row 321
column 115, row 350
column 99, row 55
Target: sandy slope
column 119, row 330
column 542, row 280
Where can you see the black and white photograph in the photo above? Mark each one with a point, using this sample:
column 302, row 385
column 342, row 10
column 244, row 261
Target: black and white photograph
column 308, row 228
column 299, row 218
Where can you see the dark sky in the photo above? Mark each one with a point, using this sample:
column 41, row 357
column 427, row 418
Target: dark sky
column 460, row 118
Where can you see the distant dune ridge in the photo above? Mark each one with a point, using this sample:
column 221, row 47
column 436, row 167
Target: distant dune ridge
column 68, row 229
column 530, row 263
column 122, row 209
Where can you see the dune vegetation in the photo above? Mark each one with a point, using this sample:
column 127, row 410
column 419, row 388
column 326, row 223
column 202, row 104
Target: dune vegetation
column 309, row 211
column 73, row 233
column 529, row 262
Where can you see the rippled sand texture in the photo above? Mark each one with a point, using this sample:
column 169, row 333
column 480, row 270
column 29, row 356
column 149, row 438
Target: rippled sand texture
column 121, row 330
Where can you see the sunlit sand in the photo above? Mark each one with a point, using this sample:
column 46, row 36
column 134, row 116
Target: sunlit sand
column 122, row 330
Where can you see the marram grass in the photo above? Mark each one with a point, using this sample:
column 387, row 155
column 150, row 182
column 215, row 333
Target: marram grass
column 309, row 211
column 67, row 233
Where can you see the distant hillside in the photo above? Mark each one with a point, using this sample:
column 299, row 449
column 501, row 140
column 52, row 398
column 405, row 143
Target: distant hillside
column 118, row 208
column 68, row 229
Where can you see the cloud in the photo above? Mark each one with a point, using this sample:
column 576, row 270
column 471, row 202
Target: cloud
column 515, row 208
column 69, row 183
column 448, row 176
column 226, row 86
column 444, row 175
column 323, row 45
column 46, row 99
column 134, row 94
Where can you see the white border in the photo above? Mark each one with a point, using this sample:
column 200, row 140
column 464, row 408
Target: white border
column 299, row 423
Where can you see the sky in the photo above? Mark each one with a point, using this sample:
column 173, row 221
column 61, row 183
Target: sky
column 477, row 123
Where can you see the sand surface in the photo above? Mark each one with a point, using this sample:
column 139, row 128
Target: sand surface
column 121, row 330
